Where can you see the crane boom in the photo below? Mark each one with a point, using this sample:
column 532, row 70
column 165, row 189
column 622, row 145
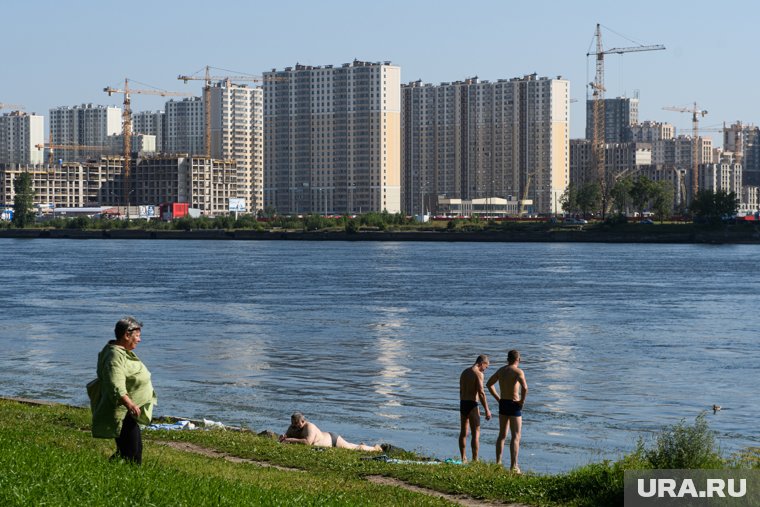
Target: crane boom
column 3, row 105
column 208, row 78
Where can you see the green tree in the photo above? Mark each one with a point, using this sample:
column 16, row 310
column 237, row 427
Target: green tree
column 662, row 201
column 23, row 201
column 589, row 198
column 642, row 191
column 621, row 195
column 569, row 199
column 711, row 206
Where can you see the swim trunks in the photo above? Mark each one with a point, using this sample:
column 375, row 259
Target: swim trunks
column 510, row 408
column 466, row 406
column 334, row 437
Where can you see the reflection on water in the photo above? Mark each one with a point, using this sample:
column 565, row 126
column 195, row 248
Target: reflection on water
column 369, row 339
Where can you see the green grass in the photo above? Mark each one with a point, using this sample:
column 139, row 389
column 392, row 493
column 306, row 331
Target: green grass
column 48, row 457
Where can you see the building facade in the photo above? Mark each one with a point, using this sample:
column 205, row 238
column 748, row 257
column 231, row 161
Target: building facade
column 84, row 125
column 332, row 138
column 185, row 126
column 649, row 132
column 620, row 114
column 237, row 133
column 20, row 133
column 475, row 139
column 151, row 123
column 620, row 159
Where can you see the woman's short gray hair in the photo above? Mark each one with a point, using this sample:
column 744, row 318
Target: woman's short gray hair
column 125, row 325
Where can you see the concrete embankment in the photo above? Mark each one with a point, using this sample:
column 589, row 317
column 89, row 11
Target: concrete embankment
column 579, row 235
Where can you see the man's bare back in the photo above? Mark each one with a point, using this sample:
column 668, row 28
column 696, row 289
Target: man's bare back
column 510, row 378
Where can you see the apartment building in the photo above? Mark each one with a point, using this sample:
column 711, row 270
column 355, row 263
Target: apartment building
column 185, row 126
column 20, row 133
column 650, row 131
column 678, row 151
column 620, row 159
column 744, row 141
column 237, row 133
column 67, row 185
column 620, row 114
column 151, row 123
column 476, row 139
column 332, row 138
column 206, row 184
column 83, row 125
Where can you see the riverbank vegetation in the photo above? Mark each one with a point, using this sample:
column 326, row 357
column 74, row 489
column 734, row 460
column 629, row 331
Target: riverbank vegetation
column 48, row 457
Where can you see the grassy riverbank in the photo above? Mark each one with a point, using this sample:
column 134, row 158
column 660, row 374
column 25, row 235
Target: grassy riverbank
column 48, row 457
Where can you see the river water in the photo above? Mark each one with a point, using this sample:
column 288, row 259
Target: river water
column 368, row 339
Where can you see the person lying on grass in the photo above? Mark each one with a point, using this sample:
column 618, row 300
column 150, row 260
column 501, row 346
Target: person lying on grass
column 302, row 431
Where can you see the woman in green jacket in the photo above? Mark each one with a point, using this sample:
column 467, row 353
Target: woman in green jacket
column 126, row 397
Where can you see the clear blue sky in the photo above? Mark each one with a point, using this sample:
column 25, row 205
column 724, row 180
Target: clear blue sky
column 58, row 53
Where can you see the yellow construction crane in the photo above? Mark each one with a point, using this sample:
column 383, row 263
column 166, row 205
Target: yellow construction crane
column 126, row 116
column 597, row 87
column 695, row 114
column 11, row 106
column 208, row 78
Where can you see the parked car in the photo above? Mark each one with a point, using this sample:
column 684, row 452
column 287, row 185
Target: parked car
column 647, row 221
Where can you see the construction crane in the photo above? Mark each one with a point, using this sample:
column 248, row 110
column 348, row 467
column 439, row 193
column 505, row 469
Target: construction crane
column 695, row 114
column 11, row 106
column 597, row 87
column 208, row 78
column 126, row 116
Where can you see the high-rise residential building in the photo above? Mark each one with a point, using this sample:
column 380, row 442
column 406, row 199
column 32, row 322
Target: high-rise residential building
column 83, row 125
column 678, row 151
column 620, row 114
column 620, row 160
column 185, row 126
column 725, row 176
column 237, row 130
column 477, row 139
column 744, row 142
column 20, row 133
column 649, row 132
column 151, row 123
column 332, row 138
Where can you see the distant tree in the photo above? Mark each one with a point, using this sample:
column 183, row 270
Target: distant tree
column 711, row 206
column 642, row 191
column 621, row 194
column 589, row 198
column 662, row 201
column 569, row 199
column 23, row 201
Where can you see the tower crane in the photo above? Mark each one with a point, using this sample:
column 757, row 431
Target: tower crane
column 208, row 78
column 10, row 106
column 695, row 114
column 598, row 136
column 126, row 116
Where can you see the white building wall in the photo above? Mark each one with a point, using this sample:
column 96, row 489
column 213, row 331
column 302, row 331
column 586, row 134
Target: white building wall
column 20, row 133
column 185, row 126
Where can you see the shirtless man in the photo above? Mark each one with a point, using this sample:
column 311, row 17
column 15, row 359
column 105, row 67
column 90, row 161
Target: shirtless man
column 302, row 431
column 470, row 389
column 513, row 389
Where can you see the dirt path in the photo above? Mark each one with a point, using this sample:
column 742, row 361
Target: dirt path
column 211, row 453
column 465, row 500
column 375, row 479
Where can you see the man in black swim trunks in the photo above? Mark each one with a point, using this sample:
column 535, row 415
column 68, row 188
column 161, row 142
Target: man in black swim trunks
column 304, row 432
column 470, row 389
column 513, row 389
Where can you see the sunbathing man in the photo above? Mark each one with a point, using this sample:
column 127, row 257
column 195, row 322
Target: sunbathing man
column 470, row 390
column 302, row 431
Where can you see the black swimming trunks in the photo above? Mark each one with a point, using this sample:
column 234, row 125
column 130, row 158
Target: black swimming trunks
column 334, row 437
column 510, row 408
column 466, row 406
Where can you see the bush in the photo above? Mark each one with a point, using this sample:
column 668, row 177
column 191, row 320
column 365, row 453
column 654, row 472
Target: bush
column 352, row 226
column 685, row 447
